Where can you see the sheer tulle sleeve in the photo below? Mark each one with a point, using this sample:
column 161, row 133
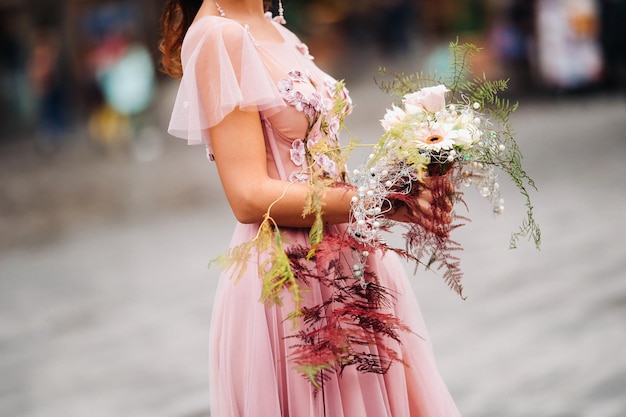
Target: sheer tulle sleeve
column 222, row 70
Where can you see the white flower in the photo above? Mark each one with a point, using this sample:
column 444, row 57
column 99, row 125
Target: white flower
column 477, row 135
column 412, row 109
column 393, row 116
column 434, row 137
column 465, row 118
column 461, row 137
column 468, row 133
column 430, row 99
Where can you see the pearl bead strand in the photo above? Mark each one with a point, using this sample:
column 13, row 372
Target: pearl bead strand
column 220, row 10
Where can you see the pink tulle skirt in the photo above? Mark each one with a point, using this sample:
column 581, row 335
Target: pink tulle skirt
column 251, row 376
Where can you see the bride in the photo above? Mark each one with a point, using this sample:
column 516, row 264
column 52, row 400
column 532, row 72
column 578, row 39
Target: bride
column 306, row 322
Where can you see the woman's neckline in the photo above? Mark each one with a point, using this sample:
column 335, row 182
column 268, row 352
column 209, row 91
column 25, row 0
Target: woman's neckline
column 282, row 40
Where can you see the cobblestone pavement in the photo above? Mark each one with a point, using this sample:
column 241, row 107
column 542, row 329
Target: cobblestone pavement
column 105, row 295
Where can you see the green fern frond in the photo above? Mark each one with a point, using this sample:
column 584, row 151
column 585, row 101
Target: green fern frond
column 316, row 233
column 312, row 373
column 314, row 198
column 461, row 56
column 276, row 275
column 402, row 84
column 236, row 259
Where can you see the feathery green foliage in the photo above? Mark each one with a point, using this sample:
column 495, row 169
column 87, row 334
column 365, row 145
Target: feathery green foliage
column 402, row 84
column 314, row 373
column 460, row 65
column 276, row 273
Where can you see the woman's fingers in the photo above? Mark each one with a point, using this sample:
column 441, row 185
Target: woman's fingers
column 442, row 216
column 439, row 185
column 431, row 206
column 424, row 207
column 426, row 194
column 437, row 192
column 444, row 203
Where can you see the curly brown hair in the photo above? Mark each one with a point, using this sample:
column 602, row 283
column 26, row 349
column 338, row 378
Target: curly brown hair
column 176, row 18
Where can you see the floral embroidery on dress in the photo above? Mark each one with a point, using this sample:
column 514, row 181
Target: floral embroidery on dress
column 304, row 50
column 317, row 153
column 298, row 153
column 327, row 164
column 339, row 92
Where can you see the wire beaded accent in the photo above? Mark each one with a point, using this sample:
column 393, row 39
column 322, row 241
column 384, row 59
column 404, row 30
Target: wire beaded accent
column 369, row 205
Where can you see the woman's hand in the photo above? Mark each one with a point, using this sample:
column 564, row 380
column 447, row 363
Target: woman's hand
column 430, row 206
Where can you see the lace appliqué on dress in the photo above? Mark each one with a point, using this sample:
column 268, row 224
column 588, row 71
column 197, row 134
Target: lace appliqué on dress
column 314, row 154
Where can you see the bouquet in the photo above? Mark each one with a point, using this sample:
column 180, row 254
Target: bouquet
column 451, row 127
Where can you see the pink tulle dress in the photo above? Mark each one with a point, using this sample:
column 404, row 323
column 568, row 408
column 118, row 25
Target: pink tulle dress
column 251, row 374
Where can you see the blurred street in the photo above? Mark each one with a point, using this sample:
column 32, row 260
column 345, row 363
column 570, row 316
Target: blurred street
column 105, row 294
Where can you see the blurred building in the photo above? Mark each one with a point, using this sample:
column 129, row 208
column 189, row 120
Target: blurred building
column 50, row 50
column 612, row 32
column 544, row 44
column 48, row 55
column 568, row 49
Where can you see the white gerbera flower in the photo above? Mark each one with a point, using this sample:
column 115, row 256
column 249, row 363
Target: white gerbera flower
column 434, row 137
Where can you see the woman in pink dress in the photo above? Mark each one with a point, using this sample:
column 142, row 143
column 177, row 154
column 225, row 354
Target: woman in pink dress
column 357, row 346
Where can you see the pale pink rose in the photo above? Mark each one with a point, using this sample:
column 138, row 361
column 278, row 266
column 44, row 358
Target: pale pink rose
column 431, row 99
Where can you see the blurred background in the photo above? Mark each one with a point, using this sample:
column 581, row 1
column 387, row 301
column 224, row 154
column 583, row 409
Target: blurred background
column 107, row 224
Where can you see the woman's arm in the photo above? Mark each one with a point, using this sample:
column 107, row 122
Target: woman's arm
column 240, row 154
